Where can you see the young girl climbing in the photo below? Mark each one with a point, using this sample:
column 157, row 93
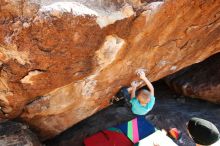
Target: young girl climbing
column 143, row 101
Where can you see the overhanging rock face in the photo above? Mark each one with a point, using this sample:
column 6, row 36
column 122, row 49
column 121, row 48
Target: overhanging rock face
column 62, row 61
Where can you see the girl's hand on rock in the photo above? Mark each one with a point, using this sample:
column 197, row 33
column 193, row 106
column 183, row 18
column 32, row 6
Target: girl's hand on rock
column 141, row 74
column 134, row 84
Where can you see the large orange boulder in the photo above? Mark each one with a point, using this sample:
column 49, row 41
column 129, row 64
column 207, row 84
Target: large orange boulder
column 201, row 80
column 62, row 61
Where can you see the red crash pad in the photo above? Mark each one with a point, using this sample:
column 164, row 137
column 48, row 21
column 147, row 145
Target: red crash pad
column 108, row 138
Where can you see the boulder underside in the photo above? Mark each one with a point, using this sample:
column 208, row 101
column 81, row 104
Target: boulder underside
column 62, row 61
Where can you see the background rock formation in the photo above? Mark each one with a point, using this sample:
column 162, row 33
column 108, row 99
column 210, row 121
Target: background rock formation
column 200, row 80
column 17, row 134
column 62, row 62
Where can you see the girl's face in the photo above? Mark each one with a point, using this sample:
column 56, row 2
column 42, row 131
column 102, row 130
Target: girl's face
column 143, row 99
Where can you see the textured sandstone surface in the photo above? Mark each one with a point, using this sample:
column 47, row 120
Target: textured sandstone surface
column 62, row 61
column 200, row 80
column 17, row 134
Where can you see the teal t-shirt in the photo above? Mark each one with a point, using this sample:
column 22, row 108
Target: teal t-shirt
column 139, row 109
